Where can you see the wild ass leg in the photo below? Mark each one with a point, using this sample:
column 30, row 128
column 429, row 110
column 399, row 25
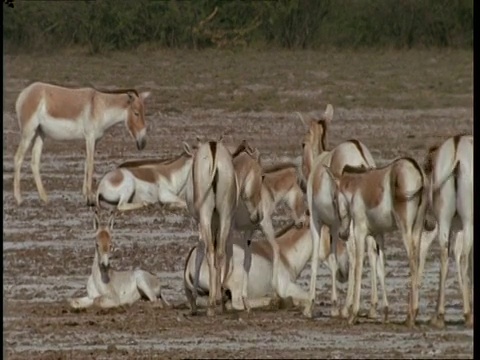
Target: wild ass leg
column 372, row 250
column 81, row 303
column 27, row 136
column 106, row 302
column 438, row 319
column 351, row 251
column 380, row 270
column 412, row 254
column 131, row 206
column 35, row 164
column 222, row 230
column 269, row 232
column 196, row 278
column 332, row 262
column 315, row 228
column 247, row 262
column 360, row 237
column 464, row 265
column 87, row 185
column 172, row 200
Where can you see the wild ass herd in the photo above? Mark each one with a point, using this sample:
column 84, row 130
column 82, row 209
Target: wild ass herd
column 350, row 204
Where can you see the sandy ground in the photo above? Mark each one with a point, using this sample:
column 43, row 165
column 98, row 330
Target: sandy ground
column 48, row 250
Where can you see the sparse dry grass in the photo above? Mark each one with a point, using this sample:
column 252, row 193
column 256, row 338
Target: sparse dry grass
column 273, row 80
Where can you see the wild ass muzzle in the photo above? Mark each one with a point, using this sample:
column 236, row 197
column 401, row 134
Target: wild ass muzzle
column 61, row 113
column 138, row 183
column 295, row 247
column 450, row 170
column 107, row 288
column 211, row 195
column 383, row 200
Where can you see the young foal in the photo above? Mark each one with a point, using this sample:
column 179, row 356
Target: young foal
column 450, row 167
column 51, row 111
column 138, row 183
column 108, row 288
column 295, row 247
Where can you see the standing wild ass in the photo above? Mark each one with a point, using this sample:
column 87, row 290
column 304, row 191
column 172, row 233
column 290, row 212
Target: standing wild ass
column 321, row 195
column 383, row 200
column 51, row 111
column 108, row 288
column 450, row 167
column 211, row 195
column 138, row 183
column 295, row 247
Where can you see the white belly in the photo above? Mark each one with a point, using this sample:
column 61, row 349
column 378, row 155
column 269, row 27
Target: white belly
column 61, row 129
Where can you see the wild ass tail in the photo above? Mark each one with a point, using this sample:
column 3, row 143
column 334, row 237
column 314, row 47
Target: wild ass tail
column 213, row 173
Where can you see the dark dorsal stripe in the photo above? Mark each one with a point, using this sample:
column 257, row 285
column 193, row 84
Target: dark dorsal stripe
column 117, row 91
column 284, row 230
column 359, row 148
column 278, row 167
column 241, row 148
column 354, row 169
column 213, row 150
column 142, row 162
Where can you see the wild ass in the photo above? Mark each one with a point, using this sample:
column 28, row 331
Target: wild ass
column 295, row 247
column 211, row 195
column 382, row 200
column 51, row 111
column 137, row 183
column 108, row 288
column 450, row 170
column 317, row 161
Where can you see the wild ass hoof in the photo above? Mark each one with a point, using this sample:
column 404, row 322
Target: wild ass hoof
column 345, row 312
column 335, row 312
column 468, row 320
column 90, row 201
column 385, row 315
column 19, row 200
column 308, row 311
column 211, row 311
column 372, row 313
column 352, row 319
column 438, row 321
column 410, row 321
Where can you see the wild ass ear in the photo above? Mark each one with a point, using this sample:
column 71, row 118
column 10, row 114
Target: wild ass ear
column 145, row 94
column 301, row 118
column 111, row 220
column 329, row 113
column 187, row 149
column 130, row 97
column 199, row 141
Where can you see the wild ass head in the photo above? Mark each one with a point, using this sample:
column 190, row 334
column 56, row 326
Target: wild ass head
column 315, row 141
column 135, row 121
column 103, row 245
column 253, row 183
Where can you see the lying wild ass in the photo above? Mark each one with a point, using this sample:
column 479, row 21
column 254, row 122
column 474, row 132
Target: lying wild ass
column 382, row 200
column 450, row 167
column 295, row 247
column 51, row 111
column 138, row 183
column 108, row 288
column 211, row 195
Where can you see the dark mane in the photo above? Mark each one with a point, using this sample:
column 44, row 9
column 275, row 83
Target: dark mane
column 142, row 162
column 284, row 230
column 241, row 148
column 117, row 91
column 277, row 167
column 354, row 169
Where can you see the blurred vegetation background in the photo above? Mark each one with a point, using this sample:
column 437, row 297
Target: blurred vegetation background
column 105, row 25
